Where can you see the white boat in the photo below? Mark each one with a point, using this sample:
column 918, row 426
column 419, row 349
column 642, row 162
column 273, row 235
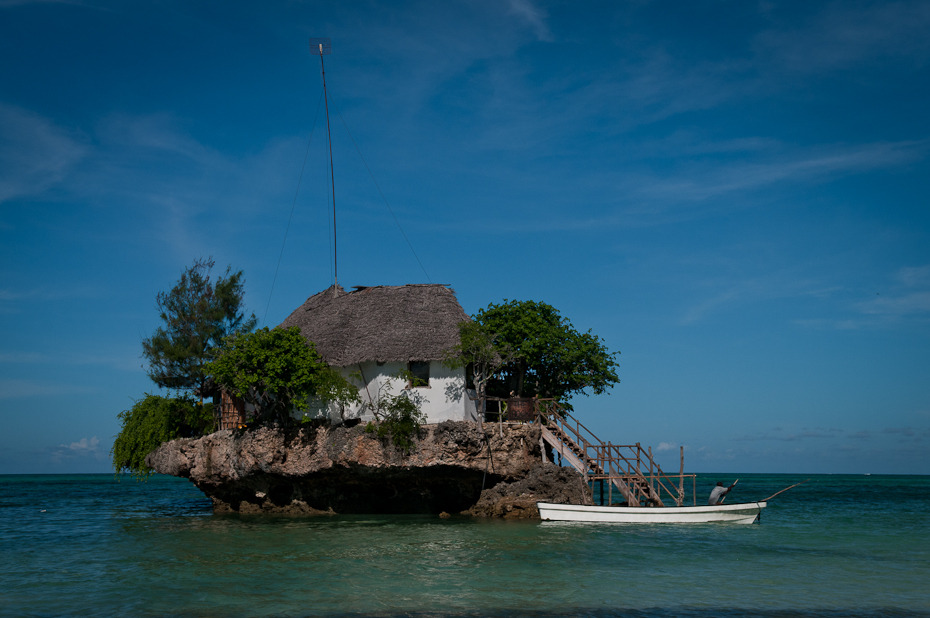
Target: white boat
column 745, row 513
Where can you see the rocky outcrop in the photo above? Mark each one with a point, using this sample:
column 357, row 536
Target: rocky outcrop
column 545, row 483
column 346, row 470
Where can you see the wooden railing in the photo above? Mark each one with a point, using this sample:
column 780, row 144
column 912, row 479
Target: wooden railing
column 629, row 468
column 228, row 411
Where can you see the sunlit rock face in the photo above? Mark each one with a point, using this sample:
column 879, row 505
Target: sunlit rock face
column 347, row 470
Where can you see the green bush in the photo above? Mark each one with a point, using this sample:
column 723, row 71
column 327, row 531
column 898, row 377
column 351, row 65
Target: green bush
column 400, row 419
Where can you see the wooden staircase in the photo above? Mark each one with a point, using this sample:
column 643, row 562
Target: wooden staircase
column 629, row 469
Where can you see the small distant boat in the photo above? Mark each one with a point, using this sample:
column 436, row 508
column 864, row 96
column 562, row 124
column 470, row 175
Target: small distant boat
column 745, row 513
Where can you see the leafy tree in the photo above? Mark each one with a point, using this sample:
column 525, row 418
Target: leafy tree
column 277, row 371
column 334, row 388
column 197, row 314
column 549, row 357
column 154, row 420
column 483, row 354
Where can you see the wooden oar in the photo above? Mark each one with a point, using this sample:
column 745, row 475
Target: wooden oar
column 728, row 491
column 784, row 490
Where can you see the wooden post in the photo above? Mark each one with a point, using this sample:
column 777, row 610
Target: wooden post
column 500, row 419
column 681, row 477
column 652, row 481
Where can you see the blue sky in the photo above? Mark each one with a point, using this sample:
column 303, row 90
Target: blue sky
column 733, row 194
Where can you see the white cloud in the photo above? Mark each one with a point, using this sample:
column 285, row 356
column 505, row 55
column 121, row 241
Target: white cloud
column 910, row 304
column 799, row 165
column 914, row 276
column 844, row 36
column 83, row 448
column 534, row 16
column 35, row 154
column 700, row 310
column 692, row 191
column 154, row 134
column 148, row 166
column 907, row 295
column 20, row 358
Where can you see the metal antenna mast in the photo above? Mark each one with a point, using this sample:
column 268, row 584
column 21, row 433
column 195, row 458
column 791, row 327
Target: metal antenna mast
column 323, row 47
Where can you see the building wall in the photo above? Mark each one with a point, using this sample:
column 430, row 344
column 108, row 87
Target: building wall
column 445, row 398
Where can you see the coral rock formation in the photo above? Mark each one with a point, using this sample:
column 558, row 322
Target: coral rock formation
column 346, row 470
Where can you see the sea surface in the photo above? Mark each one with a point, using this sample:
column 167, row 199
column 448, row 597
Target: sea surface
column 91, row 545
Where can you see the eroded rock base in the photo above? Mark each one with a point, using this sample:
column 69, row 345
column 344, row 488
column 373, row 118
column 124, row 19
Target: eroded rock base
column 544, row 483
column 353, row 489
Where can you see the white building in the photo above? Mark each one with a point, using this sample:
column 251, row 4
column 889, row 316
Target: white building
column 373, row 333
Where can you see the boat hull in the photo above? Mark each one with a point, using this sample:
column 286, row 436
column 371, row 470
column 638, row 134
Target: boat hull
column 745, row 513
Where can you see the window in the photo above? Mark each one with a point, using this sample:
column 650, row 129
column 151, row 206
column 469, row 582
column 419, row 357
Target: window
column 419, row 372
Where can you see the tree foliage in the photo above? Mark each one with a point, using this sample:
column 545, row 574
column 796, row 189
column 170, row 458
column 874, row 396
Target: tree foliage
column 547, row 356
column 197, row 315
column 483, row 354
column 399, row 415
column 277, row 371
column 153, row 420
column 334, row 388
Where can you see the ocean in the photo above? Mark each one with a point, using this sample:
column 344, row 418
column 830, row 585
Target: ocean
column 839, row 545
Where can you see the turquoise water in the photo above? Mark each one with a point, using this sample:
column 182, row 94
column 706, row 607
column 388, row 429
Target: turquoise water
column 88, row 545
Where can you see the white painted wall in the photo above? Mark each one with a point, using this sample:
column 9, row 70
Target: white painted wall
column 443, row 399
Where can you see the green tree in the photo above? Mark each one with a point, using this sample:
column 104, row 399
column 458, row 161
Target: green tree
column 197, row 314
column 151, row 421
column 549, row 357
column 484, row 356
column 277, row 371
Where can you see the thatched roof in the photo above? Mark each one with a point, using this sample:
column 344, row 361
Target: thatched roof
column 382, row 323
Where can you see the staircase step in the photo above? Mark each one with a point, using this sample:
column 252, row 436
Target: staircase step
column 633, row 485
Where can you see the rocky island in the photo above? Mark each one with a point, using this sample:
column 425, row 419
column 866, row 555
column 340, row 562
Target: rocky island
column 454, row 468
column 387, row 343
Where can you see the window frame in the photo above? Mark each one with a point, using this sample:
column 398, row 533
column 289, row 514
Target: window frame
column 418, row 375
